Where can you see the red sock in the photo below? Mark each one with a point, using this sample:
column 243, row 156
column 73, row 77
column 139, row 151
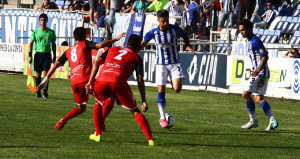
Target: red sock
column 144, row 125
column 97, row 114
column 73, row 113
column 106, row 109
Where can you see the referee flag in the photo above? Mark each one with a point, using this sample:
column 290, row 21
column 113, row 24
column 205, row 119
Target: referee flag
column 30, row 80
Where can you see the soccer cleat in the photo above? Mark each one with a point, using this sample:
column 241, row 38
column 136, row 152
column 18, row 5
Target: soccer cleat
column 163, row 123
column 154, row 143
column 38, row 95
column 59, row 125
column 251, row 124
column 94, row 137
column 272, row 125
column 45, row 96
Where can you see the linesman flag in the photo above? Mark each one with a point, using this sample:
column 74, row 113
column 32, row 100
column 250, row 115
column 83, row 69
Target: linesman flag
column 30, row 80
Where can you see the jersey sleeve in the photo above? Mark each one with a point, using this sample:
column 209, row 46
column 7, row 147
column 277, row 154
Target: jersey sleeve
column 259, row 47
column 90, row 44
column 63, row 59
column 32, row 36
column 167, row 6
column 139, row 68
column 149, row 36
column 152, row 6
column 104, row 55
column 179, row 31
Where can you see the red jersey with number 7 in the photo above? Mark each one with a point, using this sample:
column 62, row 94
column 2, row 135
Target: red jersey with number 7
column 80, row 60
column 119, row 64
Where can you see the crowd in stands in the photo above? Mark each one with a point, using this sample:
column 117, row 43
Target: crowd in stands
column 222, row 13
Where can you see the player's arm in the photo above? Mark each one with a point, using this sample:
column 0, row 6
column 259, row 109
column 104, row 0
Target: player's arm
column 264, row 61
column 30, row 51
column 286, row 55
column 141, row 84
column 143, row 44
column 96, row 65
column 93, row 45
column 54, row 51
column 60, row 62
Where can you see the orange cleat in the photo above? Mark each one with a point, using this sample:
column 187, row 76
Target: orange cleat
column 59, row 125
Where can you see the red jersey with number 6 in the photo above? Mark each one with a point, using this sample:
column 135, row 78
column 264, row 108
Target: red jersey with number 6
column 80, row 60
column 119, row 64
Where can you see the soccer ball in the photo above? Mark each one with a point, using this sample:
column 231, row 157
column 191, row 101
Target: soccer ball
column 170, row 120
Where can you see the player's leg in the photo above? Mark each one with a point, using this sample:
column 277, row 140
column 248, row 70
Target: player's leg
column 81, row 98
column 253, row 123
column 177, row 84
column 143, row 123
column 106, row 109
column 161, row 80
column 176, row 75
column 259, row 99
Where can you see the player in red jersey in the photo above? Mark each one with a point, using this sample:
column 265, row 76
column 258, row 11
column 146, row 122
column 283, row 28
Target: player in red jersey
column 119, row 64
column 80, row 60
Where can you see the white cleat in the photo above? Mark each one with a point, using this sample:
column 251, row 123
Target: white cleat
column 251, row 124
column 272, row 125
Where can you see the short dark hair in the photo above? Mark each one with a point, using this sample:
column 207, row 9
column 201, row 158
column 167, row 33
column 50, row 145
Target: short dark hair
column 79, row 34
column 43, row 15
column 162, row 13
column 247, row 23
column 64, row 43
column 134, row 41
column 296, row 50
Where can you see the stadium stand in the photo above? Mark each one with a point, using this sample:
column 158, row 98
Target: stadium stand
column 295, row 39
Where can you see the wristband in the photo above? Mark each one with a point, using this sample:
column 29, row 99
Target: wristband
column 30, row 54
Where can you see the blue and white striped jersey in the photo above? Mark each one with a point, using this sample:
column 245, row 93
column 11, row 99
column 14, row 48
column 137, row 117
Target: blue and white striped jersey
column 227, row 5
column 256, row 50
column 166, row 43
column 270, row 16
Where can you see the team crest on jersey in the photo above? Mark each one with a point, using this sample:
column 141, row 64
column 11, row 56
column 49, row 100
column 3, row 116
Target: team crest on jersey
column 261, row 50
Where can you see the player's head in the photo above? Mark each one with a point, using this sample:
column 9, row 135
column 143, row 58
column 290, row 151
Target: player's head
column 134, row 42
column 269, row 5
column 295, row 52
column 163, row 19
column 64, row 43
column 43, row 18
column 79, row 34
column 245, row 28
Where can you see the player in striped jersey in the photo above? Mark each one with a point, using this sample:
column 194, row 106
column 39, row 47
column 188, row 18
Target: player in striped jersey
column 260, row 75
column 167, row 57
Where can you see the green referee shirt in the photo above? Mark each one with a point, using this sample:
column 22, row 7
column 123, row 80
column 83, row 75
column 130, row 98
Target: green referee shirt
column 43, row 39
column 157, row 5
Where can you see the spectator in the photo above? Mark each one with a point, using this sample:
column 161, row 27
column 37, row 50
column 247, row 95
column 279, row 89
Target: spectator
column 293, row 53
column 71, row 7
column 48, row 5
column 259, row 10
column 194, row 16
column 99, row 20
column 175, row 8
column 65, row 6
column 92, row 6
column 113, row 6
column 216, row 8
column 85, row 8
column 186, row 4
column 157, row 5
column 245, row 9
column 64, row 43
column 140, row 6
column 101, row 8
column 77, row 6
column 227, row 12
column 268, row 16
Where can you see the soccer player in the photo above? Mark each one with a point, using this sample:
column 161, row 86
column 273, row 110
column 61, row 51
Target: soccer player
column 119, row 64
column 44, row 39
column 167, row 58
column 80, row 59
column 260, row 75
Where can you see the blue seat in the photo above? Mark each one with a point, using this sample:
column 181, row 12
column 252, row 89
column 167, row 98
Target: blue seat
column 280, row 23
column 295, row 38
column 264, row 35
column 296, row 13
column 269, row 36
column 276, row 37
column 255, row 30
column 286, row 24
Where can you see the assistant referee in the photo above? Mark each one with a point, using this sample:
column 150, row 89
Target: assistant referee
column 44, row 39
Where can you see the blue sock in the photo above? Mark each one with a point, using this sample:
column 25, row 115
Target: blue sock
column 161, row 101
column 267, row 109
column 251, row 108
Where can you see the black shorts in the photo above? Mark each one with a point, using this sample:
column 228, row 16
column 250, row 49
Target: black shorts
column 42, row 61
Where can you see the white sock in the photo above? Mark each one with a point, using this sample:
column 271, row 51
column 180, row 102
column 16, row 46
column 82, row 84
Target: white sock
column 252, row 115
column 162, row 110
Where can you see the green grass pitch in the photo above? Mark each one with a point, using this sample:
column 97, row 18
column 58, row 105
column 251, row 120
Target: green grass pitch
column 207, row 126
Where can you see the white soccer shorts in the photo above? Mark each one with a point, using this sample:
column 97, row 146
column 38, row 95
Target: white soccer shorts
column 257, row 85
column 173, row 70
